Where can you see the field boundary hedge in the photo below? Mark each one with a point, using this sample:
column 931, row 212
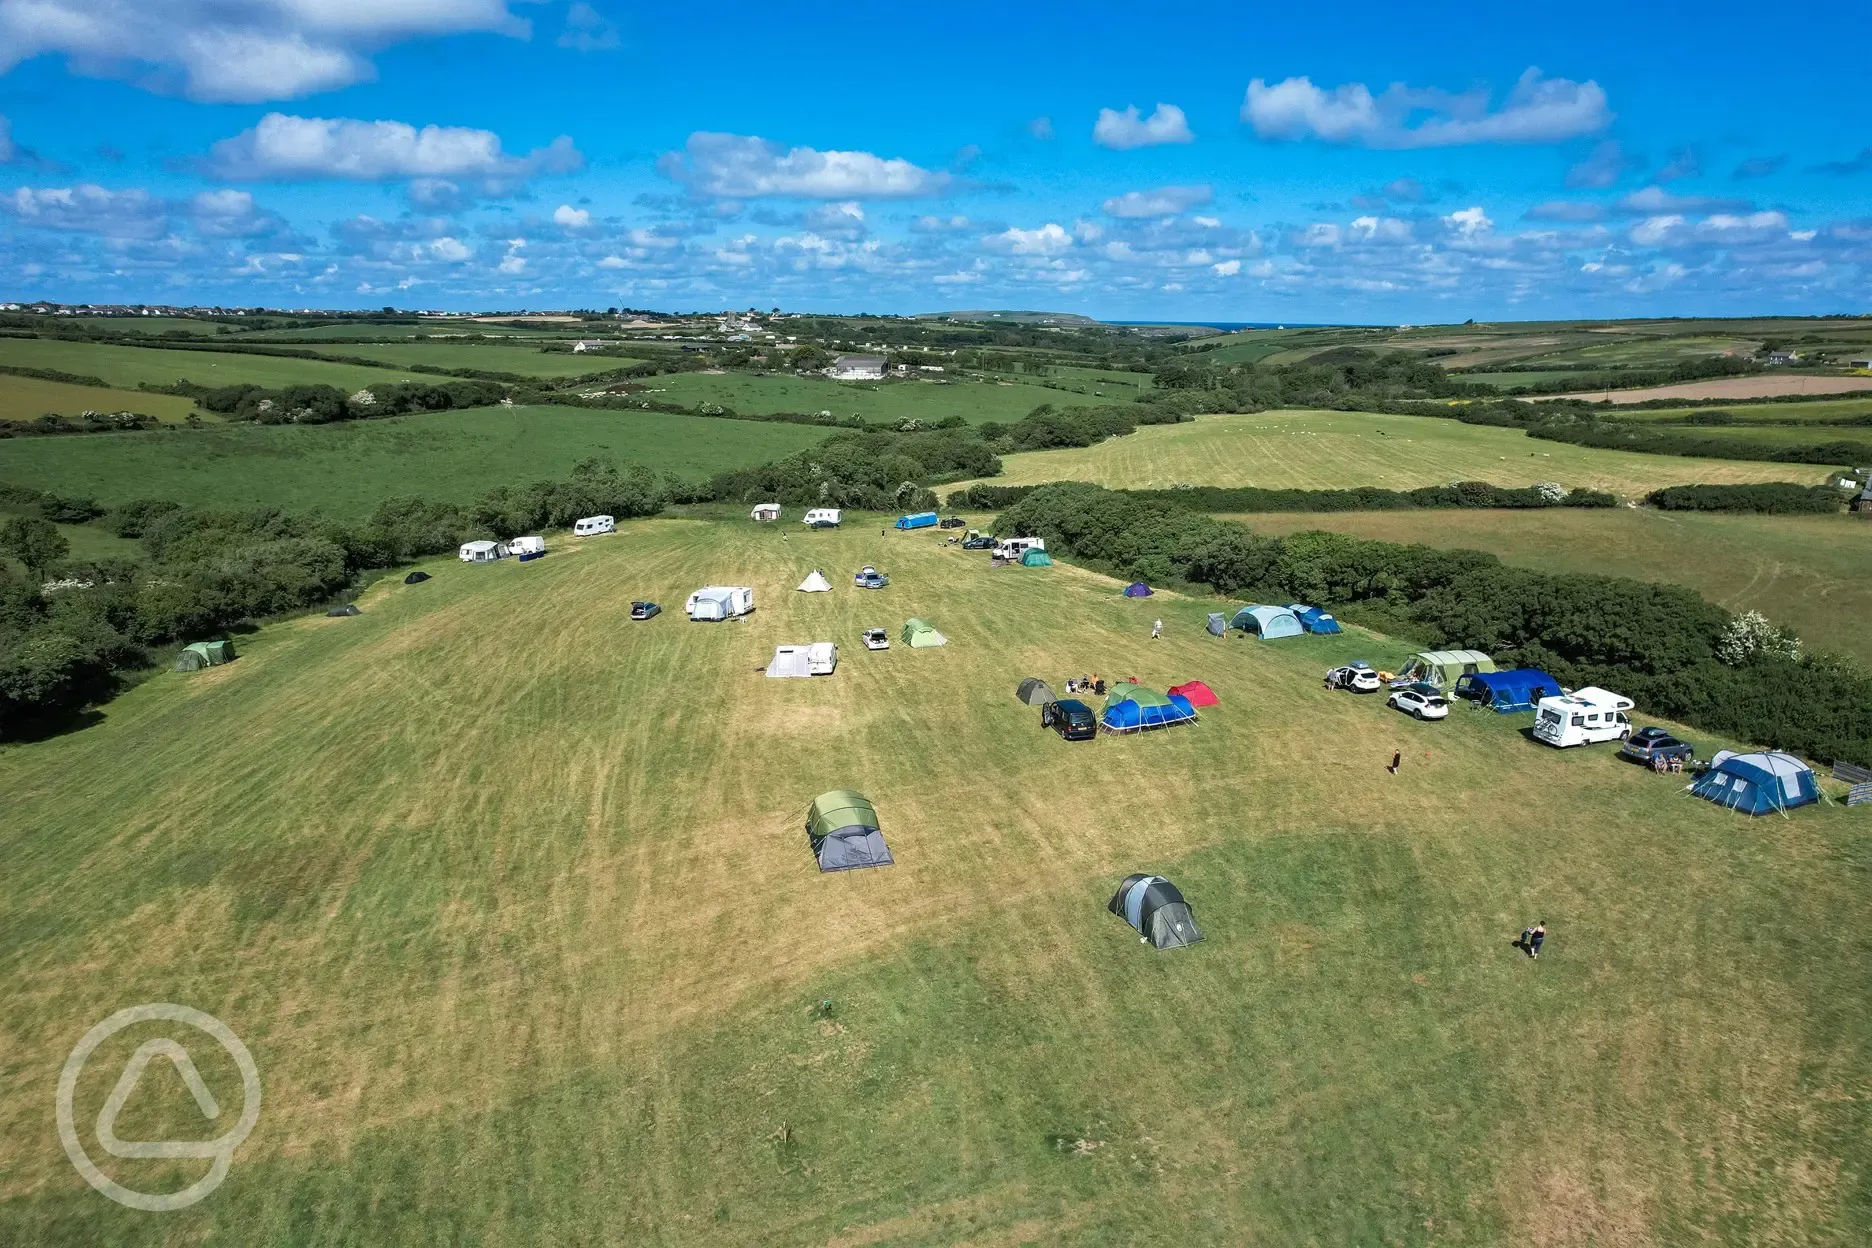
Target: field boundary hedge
column 1220, row 498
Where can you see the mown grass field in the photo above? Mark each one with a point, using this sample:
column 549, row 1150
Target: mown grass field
column 1334, row 450
column 28, row 398
column 1793, row 412
column 348, row 468
column 1809, row 573
column 127, row 367
column 509, row 898
column 492, row 357
column 974, row 401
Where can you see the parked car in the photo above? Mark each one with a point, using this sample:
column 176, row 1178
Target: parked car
column 1358, row 677
column 1071, row 718
column 876, row 639
column 954, row 522
column 644, row 610
column 1647, row 745
column 1422, row 701
column 978, row 542
column 870, row 578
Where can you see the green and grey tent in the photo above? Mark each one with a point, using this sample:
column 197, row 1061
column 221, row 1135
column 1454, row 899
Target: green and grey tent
column 1035, row 692
column 1155, row 907
column 199, row 654
column 842, row 827
column 919, row 634
column 1036, row 559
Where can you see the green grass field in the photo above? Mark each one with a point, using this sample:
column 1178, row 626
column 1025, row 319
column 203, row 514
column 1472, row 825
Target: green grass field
column 975, row 401
column 509, row 899
column 28, row 398
column 1333, row 450
column 129, row 366
column 1810, row 410
column 348, row 468
column 1808, row 573
column 493, row 358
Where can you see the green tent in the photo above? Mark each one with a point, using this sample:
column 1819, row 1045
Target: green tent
column 1036, row 559
column 1124, row 690
column 199, row 654
column 918, row 634
column 842, row 827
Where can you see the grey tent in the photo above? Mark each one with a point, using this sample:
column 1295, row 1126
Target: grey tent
column 1218, row 624
column 842, row 827
column 1155, row 907
column 1034, row 692
column 415, row 578
column 350, row 608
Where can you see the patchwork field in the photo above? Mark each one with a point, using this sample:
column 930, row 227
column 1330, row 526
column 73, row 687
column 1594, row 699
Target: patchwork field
column 129, row 366
column 346, row 469
column 1756, row 386
column 1768, row 413
column 930, row 401
column 1809, row 573
column 553, row 963
column 1332, row 450
column 28, row 398
column 494, row 358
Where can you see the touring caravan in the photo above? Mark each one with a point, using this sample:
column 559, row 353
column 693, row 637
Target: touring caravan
column 823, row 518
column 482, row 552
column 720, row 602
column 592, row 526
column 1583, row 717
column 1012, row 548
column 765, row 512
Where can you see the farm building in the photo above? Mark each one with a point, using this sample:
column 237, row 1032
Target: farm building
column 587, row 344
column 842, row 828
column 1155, row 908
column 1757, row 784
column 199, row 654
column 765, row 512
column 1862, row 502
column 857, row 368
column 1267, row 623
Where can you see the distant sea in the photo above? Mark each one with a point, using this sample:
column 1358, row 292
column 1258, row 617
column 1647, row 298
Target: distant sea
column 1228, row 326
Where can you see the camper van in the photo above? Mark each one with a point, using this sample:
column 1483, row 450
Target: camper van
column 823, row 518
column 1012, row 548
column 526, row 547
column 482, row 552
column 821, row 658
column 720, row 602
column 1583, row 717
column 592, row 526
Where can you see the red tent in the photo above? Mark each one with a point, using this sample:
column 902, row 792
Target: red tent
column 1198, row 693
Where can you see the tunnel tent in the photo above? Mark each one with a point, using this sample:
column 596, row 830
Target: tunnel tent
column 1505, row 692
column 1218, row 624
column 1137, row 589
column 1036, row 558
column 1267, row 623
column 1757, row 784
column 199, row 654
column 842, row 828
column 1443, row 668
column 921, row 634
column 815, row 584
column 415, row 578
column 1133, row 708
column 1155, row 908
column 1035, row 692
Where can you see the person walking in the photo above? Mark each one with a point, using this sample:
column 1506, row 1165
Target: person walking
column 1397, row 759
column 1536, row 938
column 1156, row 630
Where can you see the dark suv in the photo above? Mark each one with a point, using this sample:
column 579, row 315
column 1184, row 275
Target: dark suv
column 954, row 522
column 1647, row 745
column 1071, row 718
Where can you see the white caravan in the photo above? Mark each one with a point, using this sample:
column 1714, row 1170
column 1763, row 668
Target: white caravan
column 823, row 518
column 720, row 602
column 526, row 546
column 1583, row 717
column 592, row 526
column 1012, row 548
column 482, row 552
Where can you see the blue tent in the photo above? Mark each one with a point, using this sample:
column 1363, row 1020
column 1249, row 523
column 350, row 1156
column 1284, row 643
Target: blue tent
column 1267, row 622
column 1517, row 690
column 921, row 520
column 1313, row 619
column 1132, row 708
column 1758, row 784
column 1137, row 589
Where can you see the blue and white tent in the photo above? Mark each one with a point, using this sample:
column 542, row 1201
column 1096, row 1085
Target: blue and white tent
column 1505, row 692
column 1267, row 622
column 1313, row 619
column 1758, row 784
column 1155, row 908
column 1133, row 708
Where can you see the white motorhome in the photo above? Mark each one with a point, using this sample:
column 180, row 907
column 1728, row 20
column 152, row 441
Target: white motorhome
column 592, row 526
column 821, row 658
column 1014, row 547
column 482, row 552
column 720, row 602
column 526, row 546
column 823, row 518
column 1583, row 717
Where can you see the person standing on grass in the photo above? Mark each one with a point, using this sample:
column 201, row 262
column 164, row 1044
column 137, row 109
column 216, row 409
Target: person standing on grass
column 1397, row 758
column 1156, row 630
column 1536, row 937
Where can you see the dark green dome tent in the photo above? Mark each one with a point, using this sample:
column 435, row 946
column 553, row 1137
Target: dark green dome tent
column 842, row 827
column 1036, row 558
column 1155, row 907
column 415, row 578
column 1035, row 692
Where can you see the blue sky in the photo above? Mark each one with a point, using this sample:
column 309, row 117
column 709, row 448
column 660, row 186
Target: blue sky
column 1248, row 162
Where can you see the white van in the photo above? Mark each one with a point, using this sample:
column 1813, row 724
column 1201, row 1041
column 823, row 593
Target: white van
column 821, row 658
column 482, row 552
column 719, row 602
column 1583, row 717
column 1012, row 548
column 526, row 546
column 592, row 526
column 823, row 518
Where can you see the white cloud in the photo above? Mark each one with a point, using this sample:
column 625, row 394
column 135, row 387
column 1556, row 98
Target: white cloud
column 1049, row 240
column 587, row 30
column 1538, row 110
column 939, row 225
column 1123, row 131
column 956, row 279
column 614, row 262
column 571, row 218
column 845, row 217
column 1654, row 230
column 232, row 214
column 1469, row 222
column 450, row 250
column 234, row 50
column 739, row 166
column 1165, row 201
column 1228, row 268
column 90, row 209
column 286, row 148
column 1655, row 199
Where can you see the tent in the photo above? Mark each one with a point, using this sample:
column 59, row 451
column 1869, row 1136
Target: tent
column 350, row 608
column 789, row 661
column 1035, row 692
column 1313, row 619
column 199, row 654
column 1133, row 708
column 1036, row 559
column 1155, row 907
column 1504, row 692
column 1758, row 784
column 815, row 584
column 1218, row 624
column 415, row 578
column 1443, row 668
column 1137, row 589
column 1196, row 693
column 1268, row 622
column 919, row 634
column 842, row 827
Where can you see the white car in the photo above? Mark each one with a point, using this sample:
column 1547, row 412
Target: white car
column 876, row 639
column 1420, row 702
column 1354, row 676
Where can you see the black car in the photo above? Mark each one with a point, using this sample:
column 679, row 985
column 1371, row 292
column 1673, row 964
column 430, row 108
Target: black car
column 953, row 522
column 1071, row 718
column 978, row 543
column 644, row 610
column 1647, row 745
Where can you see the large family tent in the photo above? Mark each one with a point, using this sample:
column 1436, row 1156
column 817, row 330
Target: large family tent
column 1504, row 692
column 1137, row 589
column 918, row 634
column 1034, row 692
column 1218, row 624
column 815, row 584
column 1133, row 708
column 1757, row 784
column 842, row 827
column 789, row 661
column 1313, row 619
column 415, row 578
column 1196, row 693
column 1443, row 668
column 1036, row 559
column 199, row 654
column 1267, row 623
column 1155, row 907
